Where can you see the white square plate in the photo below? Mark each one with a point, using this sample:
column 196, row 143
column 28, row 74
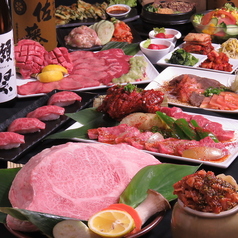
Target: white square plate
column 201, row 58
column 170, row 72
column 151, row 72
column 227, row 124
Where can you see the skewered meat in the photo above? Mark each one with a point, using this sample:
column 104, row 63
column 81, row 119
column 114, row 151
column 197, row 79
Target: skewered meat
column 120, row 101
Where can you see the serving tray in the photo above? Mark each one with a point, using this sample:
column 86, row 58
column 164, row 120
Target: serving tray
column 32, row 139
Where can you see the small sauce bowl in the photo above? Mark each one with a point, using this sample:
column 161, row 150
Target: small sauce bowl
column 118, row 10
column 176, row 35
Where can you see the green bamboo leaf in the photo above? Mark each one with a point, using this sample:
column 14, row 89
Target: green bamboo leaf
column 89, row 118
column 44, row 221
column 6, row 178
column 159, row 177
column 129, row 49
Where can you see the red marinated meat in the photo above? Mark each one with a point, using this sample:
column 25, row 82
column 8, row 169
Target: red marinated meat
column 204, row 191
column 9, row 140
column 64, row 98
column 120, row 102
column 26, row 125
column 47, row 113
column 76, row 179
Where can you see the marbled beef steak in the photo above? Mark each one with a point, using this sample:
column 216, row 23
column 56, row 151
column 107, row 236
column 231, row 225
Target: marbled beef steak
column 76, row 179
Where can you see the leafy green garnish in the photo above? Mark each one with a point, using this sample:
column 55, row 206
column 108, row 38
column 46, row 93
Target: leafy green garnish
column 147, row 43
column 131, row 3
column 210, row 91
column 159, row 30
column 159, row 177
column 198, row 18
column 182, row 57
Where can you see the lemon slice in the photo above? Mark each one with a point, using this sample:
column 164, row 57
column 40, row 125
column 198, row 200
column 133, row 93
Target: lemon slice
column 111, row 223
column 50, row 76
column 55, row 67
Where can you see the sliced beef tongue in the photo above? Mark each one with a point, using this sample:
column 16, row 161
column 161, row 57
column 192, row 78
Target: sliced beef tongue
column 30, row 57
column 59, row 56
column 75, row 179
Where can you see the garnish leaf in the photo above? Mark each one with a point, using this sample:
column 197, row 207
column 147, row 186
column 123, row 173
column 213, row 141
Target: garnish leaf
column 159, row 177
column 44, row 221
column 129, row 49
column 88, row 118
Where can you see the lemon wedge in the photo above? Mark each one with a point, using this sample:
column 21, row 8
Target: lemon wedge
column 50, row 76
column 111, row 223
column 55, row 67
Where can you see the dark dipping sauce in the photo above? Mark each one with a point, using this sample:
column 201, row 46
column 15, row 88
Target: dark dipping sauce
column 205, row 192
column 117, row 10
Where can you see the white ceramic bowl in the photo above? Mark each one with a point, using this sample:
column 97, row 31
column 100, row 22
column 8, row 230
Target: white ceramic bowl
column 155, row 55
column 177, row 34
column 118, row 10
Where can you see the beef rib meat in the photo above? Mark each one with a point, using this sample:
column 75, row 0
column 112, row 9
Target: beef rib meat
column 76, row 179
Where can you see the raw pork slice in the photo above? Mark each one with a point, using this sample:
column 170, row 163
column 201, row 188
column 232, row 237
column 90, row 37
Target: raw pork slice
column 26, row 125
column 9, row 140
column 47, row 113
column 76, row 179
column 64, row 98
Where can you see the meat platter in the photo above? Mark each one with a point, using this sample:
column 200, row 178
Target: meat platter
column 151, row 72
column 133, row 15
column 227, row 124
column 171, row 72
column 201, row 58
column 33, row 138
column 62, row 32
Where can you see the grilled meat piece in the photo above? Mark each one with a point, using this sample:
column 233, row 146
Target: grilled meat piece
column 120, row 102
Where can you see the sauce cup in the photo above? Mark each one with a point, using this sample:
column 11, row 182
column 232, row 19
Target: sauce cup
column 118, row 10
column 176, row 35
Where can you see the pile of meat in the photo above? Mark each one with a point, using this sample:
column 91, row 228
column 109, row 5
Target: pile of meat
column 82, row 37
column 203, row 191
column 190, row 89
column 75, row 180
column 149, row 141
column 217, row 61
column 86, row 68
column 198, row 43
column 31, row 57
column 120, row 101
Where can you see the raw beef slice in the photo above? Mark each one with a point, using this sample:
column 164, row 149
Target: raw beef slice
column 76, row 179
